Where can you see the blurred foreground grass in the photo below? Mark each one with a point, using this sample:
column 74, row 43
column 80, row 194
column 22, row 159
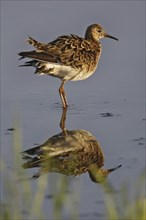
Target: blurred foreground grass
column 129, row 203
column 18, row 201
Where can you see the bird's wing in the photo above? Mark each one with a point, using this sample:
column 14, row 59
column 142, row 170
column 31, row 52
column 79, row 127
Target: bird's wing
column 45, row 152
column 41, row 154
column 66, row 50
column 38, row 55
column 73, row 50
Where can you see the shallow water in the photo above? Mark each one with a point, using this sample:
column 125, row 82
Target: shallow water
column 110, row 104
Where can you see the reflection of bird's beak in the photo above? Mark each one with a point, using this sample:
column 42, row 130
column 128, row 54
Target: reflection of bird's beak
column 99, row 175
column 109, row 36
column 113, row 169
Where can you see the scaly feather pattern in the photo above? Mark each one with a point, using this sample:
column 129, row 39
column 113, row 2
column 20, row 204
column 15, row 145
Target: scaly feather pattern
column 69, row 57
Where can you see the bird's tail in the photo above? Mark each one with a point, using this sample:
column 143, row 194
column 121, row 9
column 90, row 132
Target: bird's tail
column 41, row 56
column 35, row 43
column 32, row 158
column 37, row 56
column 33, row 63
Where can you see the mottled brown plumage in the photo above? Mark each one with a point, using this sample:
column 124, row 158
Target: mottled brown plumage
column 75, row 153
column 68, row 57
column 71, row 152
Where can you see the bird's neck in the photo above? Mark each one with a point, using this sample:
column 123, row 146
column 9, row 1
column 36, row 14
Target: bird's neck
column 90, row 36
column 94, row 168
column 96, row 173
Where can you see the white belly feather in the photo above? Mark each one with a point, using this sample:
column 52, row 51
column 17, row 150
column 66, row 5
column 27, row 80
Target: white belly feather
column 66, row 72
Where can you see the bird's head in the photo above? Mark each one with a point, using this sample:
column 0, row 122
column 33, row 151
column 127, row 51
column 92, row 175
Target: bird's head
column 99, row 175
column 96, row 32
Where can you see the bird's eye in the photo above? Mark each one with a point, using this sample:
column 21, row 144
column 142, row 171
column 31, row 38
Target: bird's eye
column 99, row 31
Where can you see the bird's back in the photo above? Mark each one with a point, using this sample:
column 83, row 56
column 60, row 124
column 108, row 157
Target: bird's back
column 68, row 57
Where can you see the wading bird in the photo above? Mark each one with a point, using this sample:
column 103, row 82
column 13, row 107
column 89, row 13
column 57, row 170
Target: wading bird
column 68, row 57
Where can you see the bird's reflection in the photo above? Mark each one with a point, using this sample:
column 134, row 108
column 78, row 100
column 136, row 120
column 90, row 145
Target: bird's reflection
column 71, row 152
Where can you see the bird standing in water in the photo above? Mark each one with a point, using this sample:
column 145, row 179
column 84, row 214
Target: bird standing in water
column 68, row 57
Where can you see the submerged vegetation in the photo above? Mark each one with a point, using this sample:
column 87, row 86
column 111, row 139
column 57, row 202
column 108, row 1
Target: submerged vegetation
column 19, row 199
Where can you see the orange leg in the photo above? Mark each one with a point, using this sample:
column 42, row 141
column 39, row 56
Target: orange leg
column 63, row 120
column 62, row 95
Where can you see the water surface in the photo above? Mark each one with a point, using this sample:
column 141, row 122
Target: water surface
column 110, row 104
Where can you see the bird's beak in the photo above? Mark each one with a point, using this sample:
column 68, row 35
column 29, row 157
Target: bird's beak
column 113, row 169
column 109, row 36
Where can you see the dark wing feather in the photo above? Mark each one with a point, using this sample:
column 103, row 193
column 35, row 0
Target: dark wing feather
column 40, row 56
column 41, row 154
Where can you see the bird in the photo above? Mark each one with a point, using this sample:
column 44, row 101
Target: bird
column 68, row 57
column 72, row 154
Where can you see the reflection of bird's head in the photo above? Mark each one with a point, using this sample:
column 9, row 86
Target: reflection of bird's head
column 98, row 175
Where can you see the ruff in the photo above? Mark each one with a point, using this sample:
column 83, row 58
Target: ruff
column 68, row 57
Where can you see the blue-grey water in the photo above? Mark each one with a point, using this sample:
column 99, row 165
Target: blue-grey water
column 117, row 87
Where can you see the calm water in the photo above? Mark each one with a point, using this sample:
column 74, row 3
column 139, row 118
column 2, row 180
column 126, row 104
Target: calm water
column 117, row 87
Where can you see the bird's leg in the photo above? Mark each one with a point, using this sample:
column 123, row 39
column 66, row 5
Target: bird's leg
column 62, row 95
column 63, row 120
